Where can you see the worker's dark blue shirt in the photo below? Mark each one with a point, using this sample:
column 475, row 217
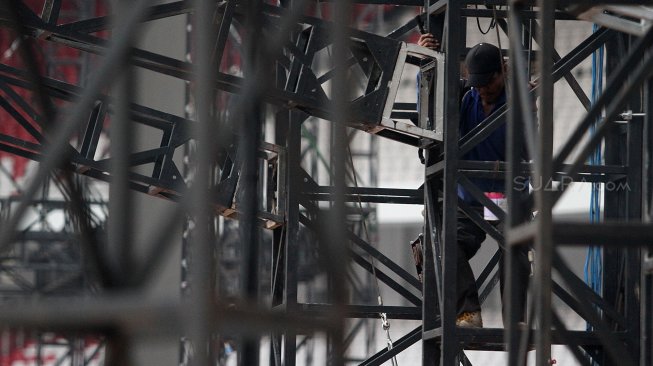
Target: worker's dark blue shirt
column 493, row 148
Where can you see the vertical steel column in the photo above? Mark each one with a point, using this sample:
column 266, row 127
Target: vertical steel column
column 184, row 343
column 646, row 300
column 335, row 244
column 544, row 173
column 646, row 310
column 121, row 133
column 615, row 202
column 614, row 205
column 276, row 282
column 249, row 141
column 120, row 254
column 634, row 203
column 199, row 311
column 431, row 286
column 431, row 274
column 454, row 46
column 647, row 154
column 515, row 146
column 281, row 236
column 291, row 250
column 88, row 9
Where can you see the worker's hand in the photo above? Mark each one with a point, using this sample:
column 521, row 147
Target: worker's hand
column 429, row 41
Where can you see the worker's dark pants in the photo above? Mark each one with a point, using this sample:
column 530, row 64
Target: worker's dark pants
column 470, row 238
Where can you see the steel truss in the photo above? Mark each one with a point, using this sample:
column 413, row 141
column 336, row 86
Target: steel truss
column 617, row 328
column 46, row 258
column 229, row 166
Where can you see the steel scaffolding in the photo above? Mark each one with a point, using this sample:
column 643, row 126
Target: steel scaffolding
column 230, row 171
column 46, row 260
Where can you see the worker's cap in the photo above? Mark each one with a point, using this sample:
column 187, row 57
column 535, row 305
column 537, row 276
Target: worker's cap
column 482, row 61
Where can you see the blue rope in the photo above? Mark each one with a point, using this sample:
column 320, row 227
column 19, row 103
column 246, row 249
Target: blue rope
column 593, row 261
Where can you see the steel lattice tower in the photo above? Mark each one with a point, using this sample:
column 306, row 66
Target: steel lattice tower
column 215, row 161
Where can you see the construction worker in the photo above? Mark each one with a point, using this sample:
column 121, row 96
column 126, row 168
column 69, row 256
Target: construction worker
column 486, row 82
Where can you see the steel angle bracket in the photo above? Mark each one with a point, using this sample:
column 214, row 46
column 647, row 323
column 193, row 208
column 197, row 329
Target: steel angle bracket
column 631, row 19
column 405, row 130
column 272, row 172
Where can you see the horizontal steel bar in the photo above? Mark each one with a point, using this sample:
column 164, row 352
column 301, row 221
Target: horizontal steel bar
column 138, row 316
column 615, row 234
column 384, row 2
column 610, row 172
column 495, row 337
column 47, row 237
column 367, row 198
column 36, row 266
column 48, row 203
column 103, row 23
column 376, row 195
column 526, row 14
column 364, row 311
column 399, row 192
column 561, row 4
column 558, row 177
column 606, row 233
